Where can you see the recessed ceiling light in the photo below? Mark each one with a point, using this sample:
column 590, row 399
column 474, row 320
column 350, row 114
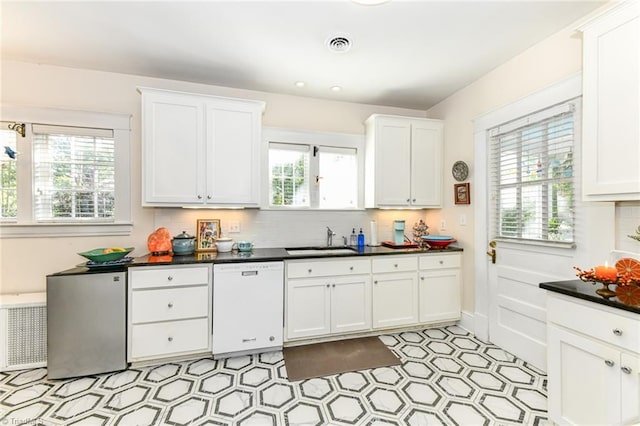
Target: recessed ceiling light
column 336, row 88
column 370, row 2
column 299, row 83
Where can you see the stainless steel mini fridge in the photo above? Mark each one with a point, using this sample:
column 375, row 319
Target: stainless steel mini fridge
column 86, row 323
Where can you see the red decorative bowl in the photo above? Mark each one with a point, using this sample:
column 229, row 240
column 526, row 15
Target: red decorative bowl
column 438, row 242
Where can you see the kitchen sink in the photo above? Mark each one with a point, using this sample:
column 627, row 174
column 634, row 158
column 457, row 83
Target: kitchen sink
column 321, row 251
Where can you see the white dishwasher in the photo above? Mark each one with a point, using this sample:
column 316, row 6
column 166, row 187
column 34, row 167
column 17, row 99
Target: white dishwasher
column 248, row 307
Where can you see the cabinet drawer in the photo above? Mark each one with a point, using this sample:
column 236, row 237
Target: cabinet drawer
column 169, row 304
column 439, row 261
column 162, row 277
column 394, row 264
column 324, row 268
column 167, row 338
column 602, row 324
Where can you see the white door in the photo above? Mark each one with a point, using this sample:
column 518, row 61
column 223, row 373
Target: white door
column 510, row 307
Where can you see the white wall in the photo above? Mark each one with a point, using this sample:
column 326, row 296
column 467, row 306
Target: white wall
column 25, row 262
column 627, row 222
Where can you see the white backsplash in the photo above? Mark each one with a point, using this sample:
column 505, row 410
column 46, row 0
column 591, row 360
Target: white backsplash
column 627, row 221
column 269, row 228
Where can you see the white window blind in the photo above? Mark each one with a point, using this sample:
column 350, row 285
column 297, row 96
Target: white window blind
column 74, row 173
column 289, row 175
column 8, row 175
column 532, row 177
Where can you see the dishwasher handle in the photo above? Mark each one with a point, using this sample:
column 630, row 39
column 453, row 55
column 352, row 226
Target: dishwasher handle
column 249, row 273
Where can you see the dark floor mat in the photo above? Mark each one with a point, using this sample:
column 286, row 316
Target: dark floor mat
column 326, row 359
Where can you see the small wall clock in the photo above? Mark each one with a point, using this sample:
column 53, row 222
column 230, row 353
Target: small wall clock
column 460, row 171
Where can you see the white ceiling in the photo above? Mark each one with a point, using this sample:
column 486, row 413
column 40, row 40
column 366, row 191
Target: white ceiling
column 408, row 54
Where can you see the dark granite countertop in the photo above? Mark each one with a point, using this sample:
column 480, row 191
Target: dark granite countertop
column 587, row 291
column 256, row 255
column 272, row 254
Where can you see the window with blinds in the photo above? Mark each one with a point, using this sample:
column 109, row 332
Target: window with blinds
column 8, row 175
column 289, row 175
column 532, row 177
column 73, row 173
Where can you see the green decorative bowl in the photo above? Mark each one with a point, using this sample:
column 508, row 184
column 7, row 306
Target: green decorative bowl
column 98, row 255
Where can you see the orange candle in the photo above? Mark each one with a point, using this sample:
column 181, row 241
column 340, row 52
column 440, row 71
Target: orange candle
column 606, row 272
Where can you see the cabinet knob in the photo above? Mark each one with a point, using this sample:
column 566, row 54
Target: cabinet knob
column 208, row 197
column 408, row 200
column 442, row 262
column 626, row 370
column 414, row 200
column 422, row 278
column 609, row 363
column 170, row 339
column 617, row 332
column 328, row 285
column 271, row 338
column 309, row 271
column 199, row 197
column 169, row 278
column 170, row 305
column 351, row 268
column 375, row 282
column 395, row 265
column 333, row 285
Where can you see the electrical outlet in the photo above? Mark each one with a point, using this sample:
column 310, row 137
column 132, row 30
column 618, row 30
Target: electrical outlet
column 443, row 225
column 234, row 227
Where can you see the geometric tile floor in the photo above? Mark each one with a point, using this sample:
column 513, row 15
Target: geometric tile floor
column 447, row 377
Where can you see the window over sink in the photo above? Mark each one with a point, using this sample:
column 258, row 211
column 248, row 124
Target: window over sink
column 313, row 170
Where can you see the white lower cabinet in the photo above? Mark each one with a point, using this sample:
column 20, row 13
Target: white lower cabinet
column 440, row 287
column 169, row 311
column 318, row 304
column 395, row 291
column 593, row 363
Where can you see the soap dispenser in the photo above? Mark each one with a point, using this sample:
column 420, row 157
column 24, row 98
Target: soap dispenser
column 360, row 239
column 353, row 239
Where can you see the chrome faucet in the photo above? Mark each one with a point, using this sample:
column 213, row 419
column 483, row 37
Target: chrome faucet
column 330, row 235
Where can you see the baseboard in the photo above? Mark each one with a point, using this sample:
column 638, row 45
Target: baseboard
column 467, row 322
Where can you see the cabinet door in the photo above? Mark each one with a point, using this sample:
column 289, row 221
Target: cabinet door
column 172, row 149
column 395, row 299
column 393, row 154
column 350, row 303
column 611, row 87
column 630, row 388
column 308, row 308
column 584, row 380
column 426, row 164
column 233, row 153
column 440, row 295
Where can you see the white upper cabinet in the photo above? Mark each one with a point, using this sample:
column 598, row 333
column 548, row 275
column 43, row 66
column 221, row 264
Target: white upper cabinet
column 403, row 162
column 200, row 150
column 611, row 103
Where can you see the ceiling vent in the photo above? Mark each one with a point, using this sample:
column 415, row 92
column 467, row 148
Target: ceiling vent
column 339, row 44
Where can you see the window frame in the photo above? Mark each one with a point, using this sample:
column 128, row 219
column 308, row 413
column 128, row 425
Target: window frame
column 572, row 105
column 311, row 138
column 25, row 224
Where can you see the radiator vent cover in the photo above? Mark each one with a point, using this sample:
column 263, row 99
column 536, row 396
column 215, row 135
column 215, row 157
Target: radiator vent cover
column 24, row 333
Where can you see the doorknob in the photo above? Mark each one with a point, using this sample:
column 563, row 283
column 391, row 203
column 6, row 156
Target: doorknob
column 492, row 252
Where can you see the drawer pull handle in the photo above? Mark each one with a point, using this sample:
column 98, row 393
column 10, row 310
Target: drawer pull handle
column 609, row 363
column 169, row 278
column 170, row 305
column 253, row 339
column 422, row 278
column 626, row 370
column 351, row 268
column 333, row 285
column 375, row 282
column 328, row 285
column 442, row 262
column 208, row 197
column 199, row 197
column 395, row 265
column 617, row 332
column 309, row 270
column 170, row 339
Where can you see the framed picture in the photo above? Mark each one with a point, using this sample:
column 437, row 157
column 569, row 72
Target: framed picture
column 207, row 232
column 461, row 193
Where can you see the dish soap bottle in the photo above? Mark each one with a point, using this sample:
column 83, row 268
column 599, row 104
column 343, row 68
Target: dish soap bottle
column 353, row 239
column 360, row 239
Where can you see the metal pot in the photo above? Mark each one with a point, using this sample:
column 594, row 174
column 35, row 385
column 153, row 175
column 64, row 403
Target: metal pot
column 183, row 243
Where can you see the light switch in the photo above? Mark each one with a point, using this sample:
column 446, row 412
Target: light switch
column 234, row 227
column 443, row 225
column 463, row 219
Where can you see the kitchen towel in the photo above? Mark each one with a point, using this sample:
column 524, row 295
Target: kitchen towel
column 373, row 233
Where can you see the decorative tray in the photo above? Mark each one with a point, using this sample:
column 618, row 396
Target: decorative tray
column 391, row 244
